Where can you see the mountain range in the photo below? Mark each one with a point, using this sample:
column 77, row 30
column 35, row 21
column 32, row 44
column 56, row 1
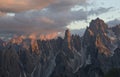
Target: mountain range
column 95, row 54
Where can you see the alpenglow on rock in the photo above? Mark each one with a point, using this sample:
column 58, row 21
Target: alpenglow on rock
column 92, row 55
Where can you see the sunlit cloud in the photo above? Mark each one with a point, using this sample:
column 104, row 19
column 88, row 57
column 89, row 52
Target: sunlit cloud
column 23, row 5
column 47, row 16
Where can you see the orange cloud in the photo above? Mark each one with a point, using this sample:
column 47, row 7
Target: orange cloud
column 33, row 36
column 22, row 5
column 49, row 36
column 47, row 20
column 2, row 14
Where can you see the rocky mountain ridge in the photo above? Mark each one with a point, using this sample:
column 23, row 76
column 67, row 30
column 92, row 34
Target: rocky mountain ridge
column 92, row 55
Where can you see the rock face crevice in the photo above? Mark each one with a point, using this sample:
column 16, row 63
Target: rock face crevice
column 92, row 55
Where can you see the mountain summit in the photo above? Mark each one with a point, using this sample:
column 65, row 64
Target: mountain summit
column 97, row 26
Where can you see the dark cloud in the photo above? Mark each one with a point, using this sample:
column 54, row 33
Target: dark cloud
column 39, row 21
column 99, row 11
column 113, row 22
column 65, row 5
column 45, row 20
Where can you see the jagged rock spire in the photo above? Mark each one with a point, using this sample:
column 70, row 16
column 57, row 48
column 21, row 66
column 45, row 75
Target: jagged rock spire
column 68, row 38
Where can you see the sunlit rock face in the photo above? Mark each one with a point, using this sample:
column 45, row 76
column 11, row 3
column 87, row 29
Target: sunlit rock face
column 101, row 37
column 68, row 38
column 101, row 47
column 92, row 55
column 101, row 43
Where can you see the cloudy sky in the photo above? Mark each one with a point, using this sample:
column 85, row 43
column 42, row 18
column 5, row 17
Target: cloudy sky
column 42, row 16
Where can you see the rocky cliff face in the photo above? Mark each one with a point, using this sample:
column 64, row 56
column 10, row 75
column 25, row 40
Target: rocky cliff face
column 92, row 55
column 101, row 47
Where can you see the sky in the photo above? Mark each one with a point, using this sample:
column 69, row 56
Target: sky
column 47, row 16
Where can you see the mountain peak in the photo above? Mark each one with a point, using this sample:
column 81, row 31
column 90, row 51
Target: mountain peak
column 98, row 26
column 97, row 20
column 97, row 33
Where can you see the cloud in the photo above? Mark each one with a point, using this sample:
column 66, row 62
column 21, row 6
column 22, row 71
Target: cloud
column 2, row 14
column 113, row 22
column 51, row 19
column 45, row 16
column 55, row 17
column 99, row 11
column 65, row 5
column 39, row 21
column 24, row 5
column 26, row 24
